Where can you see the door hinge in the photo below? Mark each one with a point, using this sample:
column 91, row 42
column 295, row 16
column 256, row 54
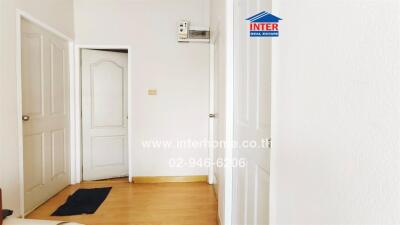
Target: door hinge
column 269, row 143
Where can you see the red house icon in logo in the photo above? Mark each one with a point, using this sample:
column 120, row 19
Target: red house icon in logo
column 264, row 24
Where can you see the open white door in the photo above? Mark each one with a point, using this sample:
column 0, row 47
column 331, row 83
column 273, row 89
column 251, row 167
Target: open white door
column 45, row 106
column 252, row 120
column 212, row 117
column 104, row 114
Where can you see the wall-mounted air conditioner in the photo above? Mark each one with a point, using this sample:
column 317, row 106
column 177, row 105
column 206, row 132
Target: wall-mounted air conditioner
column 187, row 33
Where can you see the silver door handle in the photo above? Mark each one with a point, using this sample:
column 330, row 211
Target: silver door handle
column 26, row 118
column 212, row 115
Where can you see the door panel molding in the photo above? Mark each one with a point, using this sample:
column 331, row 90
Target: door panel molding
column 95, row 90
column 32, row 182
column 54, row 171
column 35, row 72
column 120, row 138
column 57, row 97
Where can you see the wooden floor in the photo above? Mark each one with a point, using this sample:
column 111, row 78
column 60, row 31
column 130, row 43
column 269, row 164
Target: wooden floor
column 142, row 204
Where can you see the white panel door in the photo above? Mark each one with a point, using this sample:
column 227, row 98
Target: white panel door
column 104, row 114
column 45, row 107
column 252, row 121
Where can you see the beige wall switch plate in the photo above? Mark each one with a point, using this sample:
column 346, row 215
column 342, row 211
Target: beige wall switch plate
column 152, row 92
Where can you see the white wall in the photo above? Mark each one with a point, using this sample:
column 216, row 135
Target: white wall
column 179, row 71
column 336, row 114
column 58, row 14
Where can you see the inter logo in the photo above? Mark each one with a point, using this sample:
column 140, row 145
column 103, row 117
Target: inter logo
column 264, row 24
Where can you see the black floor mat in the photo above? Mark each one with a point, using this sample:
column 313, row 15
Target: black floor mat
column 83, row 201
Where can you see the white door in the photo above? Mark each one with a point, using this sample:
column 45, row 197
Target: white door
column 45, row 106
column 252, row 121
column 212, row 117
column 104, row 114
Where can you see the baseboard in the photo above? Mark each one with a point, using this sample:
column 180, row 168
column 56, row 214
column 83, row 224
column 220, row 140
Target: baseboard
column 169, row 179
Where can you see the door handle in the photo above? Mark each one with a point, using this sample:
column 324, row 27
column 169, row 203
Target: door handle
column 26, row 118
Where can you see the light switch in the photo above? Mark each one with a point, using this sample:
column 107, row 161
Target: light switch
column 152, row 92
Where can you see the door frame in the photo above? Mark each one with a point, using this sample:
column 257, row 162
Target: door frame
column 26, row 16
column 229, row 108
column 76, row 155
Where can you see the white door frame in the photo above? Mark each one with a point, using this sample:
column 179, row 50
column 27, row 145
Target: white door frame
column 76, row 156
column 19, row 16
column 229, row 108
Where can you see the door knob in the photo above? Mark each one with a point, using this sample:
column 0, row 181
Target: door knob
column 25, row 117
